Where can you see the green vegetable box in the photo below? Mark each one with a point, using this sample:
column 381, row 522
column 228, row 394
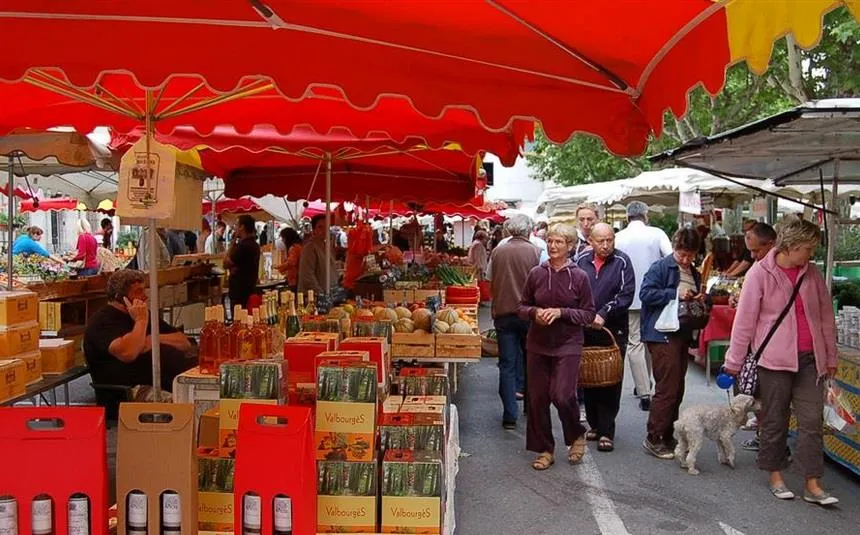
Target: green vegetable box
column 413, row 485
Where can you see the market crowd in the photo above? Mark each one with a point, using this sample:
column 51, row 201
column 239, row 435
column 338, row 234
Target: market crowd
column 562, row 291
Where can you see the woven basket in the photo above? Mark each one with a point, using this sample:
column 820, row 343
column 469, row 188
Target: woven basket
column 602, row 365
column 489, row 347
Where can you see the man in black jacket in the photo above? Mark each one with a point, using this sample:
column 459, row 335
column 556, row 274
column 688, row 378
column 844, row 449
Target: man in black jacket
column 610, row 273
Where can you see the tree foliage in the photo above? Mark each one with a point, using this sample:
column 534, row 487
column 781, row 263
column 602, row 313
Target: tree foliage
column 795, row 76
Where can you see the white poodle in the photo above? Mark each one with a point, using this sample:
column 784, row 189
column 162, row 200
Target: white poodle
column 719, row 423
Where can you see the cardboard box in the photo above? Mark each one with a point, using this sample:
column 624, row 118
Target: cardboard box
column 413, row 484
column 50, row 315
column 56, row 451
column 302, row 388
column 411, row 431
column 216, row 475
column 332, row 340
column 18, row 307
column 58, row 355
column 20, row 338
column 346, row 496
column 380, row 353
column 291, row 471
column 302, row 352
column 251, row 381
column 32, row 366
column 166, row 295
column 392, row 404
column 156, row 452
column 422, row 382
column 12, row 384
column 207, row 429
column 346, row 411
column 333, row 358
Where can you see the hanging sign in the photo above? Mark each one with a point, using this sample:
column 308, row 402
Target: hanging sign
column 690, row 202
column 759, row 208
column 146, row 185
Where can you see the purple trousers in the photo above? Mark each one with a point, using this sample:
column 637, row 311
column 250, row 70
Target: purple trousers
column 552, row 380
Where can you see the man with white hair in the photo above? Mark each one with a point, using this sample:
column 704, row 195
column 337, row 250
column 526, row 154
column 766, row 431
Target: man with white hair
column 512, row 261
column 644, row 245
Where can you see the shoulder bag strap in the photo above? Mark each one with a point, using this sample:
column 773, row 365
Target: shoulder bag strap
column 781, row 317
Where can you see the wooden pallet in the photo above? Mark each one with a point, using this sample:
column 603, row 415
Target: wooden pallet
column 407, row 345
column 458, row 345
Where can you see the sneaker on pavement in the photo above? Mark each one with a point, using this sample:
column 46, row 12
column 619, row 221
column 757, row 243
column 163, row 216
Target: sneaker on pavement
column 751, row 444
column 509, row 425
column 658, row 450
column 820, row 499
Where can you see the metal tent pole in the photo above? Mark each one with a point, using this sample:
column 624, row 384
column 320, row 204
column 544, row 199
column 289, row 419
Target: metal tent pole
column 10, row 185
column 154, row 311
column 833, row 216
column 328, row 224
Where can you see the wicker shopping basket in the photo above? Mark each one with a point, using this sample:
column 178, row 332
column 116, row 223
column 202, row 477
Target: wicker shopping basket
column 601, row 365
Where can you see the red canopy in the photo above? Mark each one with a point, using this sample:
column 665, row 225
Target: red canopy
column 46, row 99
column 54, row 205
column 20, row 193
column 231, row 206
column 610, row 67
column 360, row 167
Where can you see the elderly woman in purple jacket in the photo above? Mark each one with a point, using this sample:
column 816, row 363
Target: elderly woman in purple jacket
column 557, row 301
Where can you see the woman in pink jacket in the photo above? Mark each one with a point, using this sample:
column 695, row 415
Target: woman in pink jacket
column 799, row 356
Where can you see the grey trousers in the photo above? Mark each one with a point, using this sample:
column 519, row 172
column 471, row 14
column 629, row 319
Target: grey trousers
column 779, row 392
column 638, row 357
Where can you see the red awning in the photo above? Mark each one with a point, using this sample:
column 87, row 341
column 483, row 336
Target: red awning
column 610, row 68
column 231, row 206
column 372, row 167
column 21, row 194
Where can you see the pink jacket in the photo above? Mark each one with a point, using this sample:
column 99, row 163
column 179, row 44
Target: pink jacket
column 765, row 293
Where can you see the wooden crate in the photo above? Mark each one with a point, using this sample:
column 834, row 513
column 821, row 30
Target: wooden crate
column 417, row 345
column 422, row 294
column 397, row 297
column 458, row 345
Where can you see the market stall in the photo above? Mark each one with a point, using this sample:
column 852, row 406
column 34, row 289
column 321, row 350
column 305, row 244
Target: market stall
column 814, row 146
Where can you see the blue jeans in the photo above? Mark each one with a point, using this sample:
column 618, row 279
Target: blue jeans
column 88, row 272
column 511, row 334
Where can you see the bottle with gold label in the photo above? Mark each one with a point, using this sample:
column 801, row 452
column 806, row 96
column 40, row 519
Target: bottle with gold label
column 247, row 344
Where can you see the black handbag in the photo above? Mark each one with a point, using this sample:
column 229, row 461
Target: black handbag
column 748, row 375
column 693, row 315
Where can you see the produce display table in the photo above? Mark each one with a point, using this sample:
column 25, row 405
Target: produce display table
column 841, row 447
column 50, row 383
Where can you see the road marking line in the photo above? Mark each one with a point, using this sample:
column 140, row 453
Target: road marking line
column 602, row 507
column 728, row 530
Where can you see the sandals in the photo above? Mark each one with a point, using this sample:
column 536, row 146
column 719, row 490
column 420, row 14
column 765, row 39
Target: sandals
column 543, row 461
column 605, row 444
column 576, row 451
column 591, row 435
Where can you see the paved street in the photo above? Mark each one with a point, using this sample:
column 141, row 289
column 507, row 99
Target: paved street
column 625, row 491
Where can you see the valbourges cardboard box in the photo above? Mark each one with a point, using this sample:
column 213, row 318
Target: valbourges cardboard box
column 58, row 355
column 413, row 484
column 379, row 350
column 346, row 411
column 12, row 373
column 156, row 461
column 346, row 496
column 18, row 339
column 18, row 307
column 215, row 490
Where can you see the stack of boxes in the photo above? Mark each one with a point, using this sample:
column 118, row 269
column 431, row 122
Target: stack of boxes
column 20, row 360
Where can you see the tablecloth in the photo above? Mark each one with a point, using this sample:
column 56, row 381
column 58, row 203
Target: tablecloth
column 719, row 328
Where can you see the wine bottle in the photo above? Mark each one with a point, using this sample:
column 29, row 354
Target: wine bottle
column 246, row 339
column 312, row 307
column 136, row 517
column 283, row 515
column 43, row 515
column 8, row 516
column 252, row 521
column 79, row 514
column 171, row 513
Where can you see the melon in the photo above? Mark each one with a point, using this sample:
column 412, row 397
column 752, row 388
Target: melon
column 404, row 325
column 440, row 327
column 460, row 327
column 421, row 317
column 338, row 313
column 403, row 312
column 364, row 313
column 385, row 314
column 449, row 316
column 420, row 331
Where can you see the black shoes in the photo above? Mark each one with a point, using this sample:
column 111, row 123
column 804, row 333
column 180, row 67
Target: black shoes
column 645, row 403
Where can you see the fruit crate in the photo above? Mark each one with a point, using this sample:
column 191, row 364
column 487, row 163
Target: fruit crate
column 421, row 295
column 413, row 345
column 458, row 345
column 397, row 297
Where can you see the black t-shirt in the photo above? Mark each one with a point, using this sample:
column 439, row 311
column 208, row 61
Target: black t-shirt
column 107, row 325
column 243, row 278
column 747, row 256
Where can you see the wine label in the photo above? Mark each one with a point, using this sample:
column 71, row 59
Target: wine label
column 137, row 510
column 252, row 517
column 8, row 516
column 171, row 512
column 283, row 513
column 42, row 517
column 79, row 516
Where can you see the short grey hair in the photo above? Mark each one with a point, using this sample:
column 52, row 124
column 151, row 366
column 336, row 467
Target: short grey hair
column 637, row 210
column 120, row 283
column 518, row 225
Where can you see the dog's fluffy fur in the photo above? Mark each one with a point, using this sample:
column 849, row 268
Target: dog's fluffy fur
column 719, row 423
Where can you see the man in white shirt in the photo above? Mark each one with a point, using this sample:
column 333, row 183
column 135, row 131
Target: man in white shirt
column 644, row 245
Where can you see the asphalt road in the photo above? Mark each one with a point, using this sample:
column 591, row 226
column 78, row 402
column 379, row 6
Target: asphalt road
column 626, row 491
